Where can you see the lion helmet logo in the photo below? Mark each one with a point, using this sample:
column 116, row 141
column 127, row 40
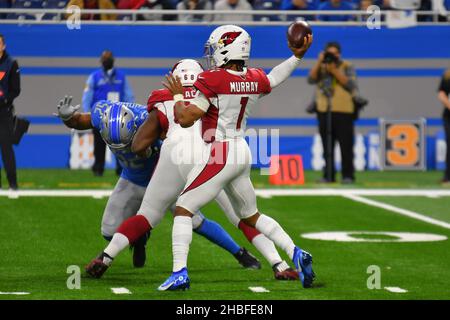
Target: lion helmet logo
column 229, row 37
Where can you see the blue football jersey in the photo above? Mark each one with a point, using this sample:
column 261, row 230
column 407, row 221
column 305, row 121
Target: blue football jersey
column 135, row 169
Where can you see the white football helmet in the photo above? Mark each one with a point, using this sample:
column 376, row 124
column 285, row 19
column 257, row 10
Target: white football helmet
column 227, row 43
column 188, row 71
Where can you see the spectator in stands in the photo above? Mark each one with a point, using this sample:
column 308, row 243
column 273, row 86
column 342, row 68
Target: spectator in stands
column 148, row 5
column 194, row 5
column 335, row 5
column 336, row 83
column 232, row 5
column 267, row 5
column 363, row 6
column 299, row 5
column 107, row 83
column 4, row 4
column 9, row 90
column 444, row 98
column 94, row 4
column 385, row 4
column 444, row 18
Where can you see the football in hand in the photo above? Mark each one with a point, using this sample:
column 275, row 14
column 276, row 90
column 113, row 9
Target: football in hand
column 297, row 33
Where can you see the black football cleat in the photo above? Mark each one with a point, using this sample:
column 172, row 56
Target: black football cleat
column 139, row 253
column 97, row 267
column 247, row 260
column 282, row 271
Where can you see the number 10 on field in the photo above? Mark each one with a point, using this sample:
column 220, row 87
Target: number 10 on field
column 286, row 170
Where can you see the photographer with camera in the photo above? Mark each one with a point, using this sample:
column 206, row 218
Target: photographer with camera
column 335, row 106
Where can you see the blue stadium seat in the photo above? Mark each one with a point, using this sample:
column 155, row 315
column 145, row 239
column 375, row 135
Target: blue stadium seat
column 4, row 4
column 53, row 4
column 21, row 4
column 267, row 5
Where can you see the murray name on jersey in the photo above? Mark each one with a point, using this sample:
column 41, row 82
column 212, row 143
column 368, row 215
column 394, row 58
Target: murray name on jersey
column 244, row 87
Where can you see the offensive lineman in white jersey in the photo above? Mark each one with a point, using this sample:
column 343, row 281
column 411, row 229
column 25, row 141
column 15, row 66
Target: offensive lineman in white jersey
column 178, row 155
column 227, row 94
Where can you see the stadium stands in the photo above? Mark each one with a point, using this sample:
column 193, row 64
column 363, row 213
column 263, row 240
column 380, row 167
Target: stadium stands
column 25, row 4
column 53, row 4
column 4, row 4
column 267, row 5
column 261, row 5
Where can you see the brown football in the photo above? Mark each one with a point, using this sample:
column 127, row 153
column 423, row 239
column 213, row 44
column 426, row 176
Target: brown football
column 297, row 32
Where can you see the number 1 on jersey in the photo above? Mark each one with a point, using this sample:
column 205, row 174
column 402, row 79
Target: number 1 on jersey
column 244, row 101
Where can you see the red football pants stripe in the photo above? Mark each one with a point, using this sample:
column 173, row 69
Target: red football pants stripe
column 216, row 162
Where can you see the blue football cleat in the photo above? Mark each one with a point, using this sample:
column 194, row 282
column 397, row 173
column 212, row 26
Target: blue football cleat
column 303, row 263
column 177, row 281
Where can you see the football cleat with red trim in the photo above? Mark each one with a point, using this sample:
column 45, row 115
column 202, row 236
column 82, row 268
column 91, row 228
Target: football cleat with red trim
column 282, row 271
column 97, row 267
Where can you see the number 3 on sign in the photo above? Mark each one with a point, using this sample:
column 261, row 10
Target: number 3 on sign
column 286, row 170
column 404, row 150
column 403, row 144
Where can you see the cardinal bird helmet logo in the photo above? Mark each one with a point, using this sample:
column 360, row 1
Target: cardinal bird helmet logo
column 229, row 37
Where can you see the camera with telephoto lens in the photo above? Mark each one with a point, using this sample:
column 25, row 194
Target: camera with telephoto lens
column 329, row 58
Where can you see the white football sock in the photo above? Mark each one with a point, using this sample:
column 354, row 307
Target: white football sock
column 117, row 244
column 181, row 239
column 267, row 249
column 272, row 230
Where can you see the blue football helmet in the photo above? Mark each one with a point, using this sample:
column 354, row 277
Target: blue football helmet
column 118, row 126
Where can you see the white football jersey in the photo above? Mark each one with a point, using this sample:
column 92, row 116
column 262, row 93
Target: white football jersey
column 162, row 100
column 231, row 96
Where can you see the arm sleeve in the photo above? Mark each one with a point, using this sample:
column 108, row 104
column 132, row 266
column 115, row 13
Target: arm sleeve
column 88, row 94
column 128, row 92
column 201, row 102
column 161, row 116
column 282, row 71
column 14, row 83
column 95, row 117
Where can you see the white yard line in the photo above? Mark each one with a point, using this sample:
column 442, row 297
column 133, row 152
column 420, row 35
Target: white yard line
column 398, row 210
column 120, row 291
column 14, row 293
column 264, row 193
column 395, row 289
column 353, row 194
column 359, row 192
column 258, row 289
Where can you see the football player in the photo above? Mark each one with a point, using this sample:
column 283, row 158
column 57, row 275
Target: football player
column 178, row 156
column 227, row 93
column 118, row 123
column 162, row 101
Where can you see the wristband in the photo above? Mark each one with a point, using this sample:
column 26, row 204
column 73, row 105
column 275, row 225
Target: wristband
column 178, row 97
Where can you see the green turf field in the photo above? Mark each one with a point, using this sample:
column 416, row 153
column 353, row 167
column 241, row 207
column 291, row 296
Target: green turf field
column 40, row 237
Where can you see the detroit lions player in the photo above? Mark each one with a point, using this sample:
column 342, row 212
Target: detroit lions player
column 118, row 123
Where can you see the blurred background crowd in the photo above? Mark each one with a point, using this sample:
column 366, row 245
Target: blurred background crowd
column 229, row 5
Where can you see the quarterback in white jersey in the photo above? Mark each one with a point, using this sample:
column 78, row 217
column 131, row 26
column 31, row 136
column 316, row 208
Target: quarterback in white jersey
column 185, row 148
column 226, row 96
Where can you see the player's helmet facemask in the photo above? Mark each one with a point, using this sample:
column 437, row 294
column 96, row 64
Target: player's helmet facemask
column 118, row 126
column 227, row 43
